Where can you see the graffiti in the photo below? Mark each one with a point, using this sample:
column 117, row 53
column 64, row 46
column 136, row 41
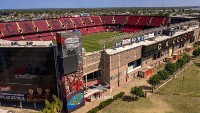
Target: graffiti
column 8, row 28
column 27, row 27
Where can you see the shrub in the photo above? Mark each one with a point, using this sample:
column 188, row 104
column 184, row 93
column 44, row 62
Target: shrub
column 138, row 91
column 109, row 101
column 119, row 95
column 105, row 103
column 94, row 110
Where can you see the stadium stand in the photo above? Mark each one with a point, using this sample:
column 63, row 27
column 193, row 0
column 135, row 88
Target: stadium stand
column 110, row 28
column 96, row 20
column 46, row 29
column 26, row 26
column 131, row 28
column 108, row 19
column 9, row 29
column 84, row 31
column 100, row 29
column 47, row 36
column 41, row 25
column 133, row 20
column 157, row 21
column 32, row 37
column 14, row 38
column 68, row 22
column 87, row 21
column 54, row 24
column 120, row 19
column 77, row 22
column 92, row 30
column 144, row 20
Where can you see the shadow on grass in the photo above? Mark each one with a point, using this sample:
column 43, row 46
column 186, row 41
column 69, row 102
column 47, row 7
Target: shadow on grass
column 129, row 98
column 145, row 87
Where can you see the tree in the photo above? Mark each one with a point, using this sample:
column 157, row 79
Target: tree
column 196, row 52
column 170, row 67
column 53, row 107
column 186, row 57
column 163, row 74
column 154, row 80
column 138, row 91
column 180, row 62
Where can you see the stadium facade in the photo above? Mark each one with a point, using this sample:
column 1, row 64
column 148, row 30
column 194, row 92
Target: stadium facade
column 25, row 51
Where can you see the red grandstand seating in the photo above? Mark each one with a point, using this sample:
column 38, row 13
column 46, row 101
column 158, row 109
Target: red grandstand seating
column 47, row 28
column 131, row 28
column 26, row 26
column 96, row 20
column 157, row 21
column 67, row 21
column 108, row 19
column 47, row 36
column 78, row 22
column 41, row 25
column 92, row 30
column 32, row 37
column 100, row 28
column 110, row 28
column 144, row 20
column 87, row 21
column 120, row 19
column 84, row 31
column 166, row 20
column 133, row 20
column 8, row 29
column 14, row 38
column 54, row 24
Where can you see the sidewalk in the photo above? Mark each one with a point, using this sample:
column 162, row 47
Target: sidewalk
column 123, row 88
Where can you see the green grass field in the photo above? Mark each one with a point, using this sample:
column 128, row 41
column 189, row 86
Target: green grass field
column 90, row 42
column 172, row 98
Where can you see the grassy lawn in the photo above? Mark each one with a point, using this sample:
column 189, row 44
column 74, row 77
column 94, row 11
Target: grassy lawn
column 90, row 42
column 171, row 98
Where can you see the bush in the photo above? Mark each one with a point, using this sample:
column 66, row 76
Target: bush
column 138, row 91
column 94, row 110
column 119, row 95
column 105, row 103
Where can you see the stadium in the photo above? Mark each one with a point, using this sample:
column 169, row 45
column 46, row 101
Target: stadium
column 65, row 56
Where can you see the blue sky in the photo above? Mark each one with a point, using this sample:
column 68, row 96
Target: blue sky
column 21, row 4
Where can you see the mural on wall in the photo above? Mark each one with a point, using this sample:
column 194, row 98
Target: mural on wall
column 70, row 47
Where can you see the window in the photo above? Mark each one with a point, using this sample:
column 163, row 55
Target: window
column 134, row 65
